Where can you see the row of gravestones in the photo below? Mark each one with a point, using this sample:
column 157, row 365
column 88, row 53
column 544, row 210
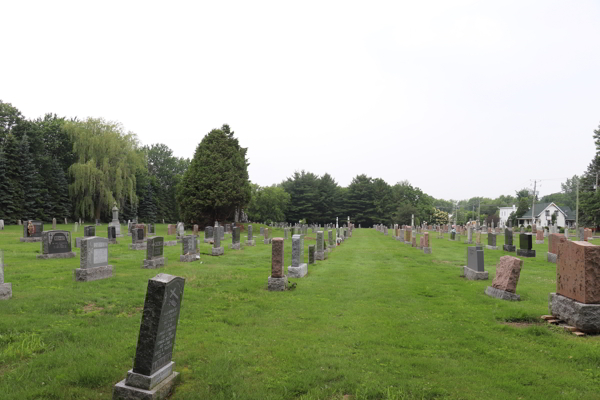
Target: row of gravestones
column 409, row 235
column 278, row 280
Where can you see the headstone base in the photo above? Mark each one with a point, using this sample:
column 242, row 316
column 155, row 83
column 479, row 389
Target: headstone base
column 218, row 251
column 585, row 317
column 501, row 294
column 491, row 247
column 93, row 274
column 189, row 257
column 277, row 284
column 319, row 255
column 510, row 248
column 31, row 239
column 552, row 258
column 5, row 291
column 427, row 250
column 146, row 382
column 137, row 246
column 469, row 242
column 250, row 243
column 170, row 243
column 473, row 275
column 267, row 241
column 122, row 391
column 235, row 246
column 525, row 253
column 70, row 254
column 297, row 272
column 119, row 235
column 209, row 240
column 419, row 248
column 154, row 263
column 112, row 241
column 405, row 242
column 539, row 242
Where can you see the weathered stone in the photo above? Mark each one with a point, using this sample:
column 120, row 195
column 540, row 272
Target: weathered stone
column 5, row 288
column 508, row 271
column 311, row 254
column 298, row 269
column 93, row 262
column 56, row 244
column 501, row 294
column 32, row 231
column 154, row 253
column 552, row 258
column 491, row 237
column 475, row 258
column 208, row 234
column 554, row 240
column 250, row 241
column 277, row 258
column 474, row 275
column 585, row 317
column 577, row 272
column 508, row 237
column 152, row 368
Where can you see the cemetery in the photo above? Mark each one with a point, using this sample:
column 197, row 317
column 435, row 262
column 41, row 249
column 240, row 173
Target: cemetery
column 423, row 293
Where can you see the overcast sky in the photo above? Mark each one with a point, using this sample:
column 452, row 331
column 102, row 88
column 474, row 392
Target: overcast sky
column 461, row 98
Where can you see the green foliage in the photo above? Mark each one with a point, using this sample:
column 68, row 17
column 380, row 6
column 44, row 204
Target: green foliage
column 33, row 201
column 13, row 175
column 523, row 207
column 439, row 217
column 147, row 208
column 216, row 182
column 104, row 173
column 268, row 204
column 8, row 211
column 360, row 201
column 303, row 188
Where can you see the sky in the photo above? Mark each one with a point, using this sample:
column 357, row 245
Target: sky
column 460, row 98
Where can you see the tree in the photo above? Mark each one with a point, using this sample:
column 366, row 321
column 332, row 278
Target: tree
column 360, row 203
column 329, row 199
column 147, row 209
column 268, row 204
column 303, row 188
column 106, row 165
column 7, row 208
column 216, row 182
column 9, row 117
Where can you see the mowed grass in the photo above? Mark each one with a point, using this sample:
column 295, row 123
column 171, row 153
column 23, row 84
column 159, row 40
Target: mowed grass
column 377, row 320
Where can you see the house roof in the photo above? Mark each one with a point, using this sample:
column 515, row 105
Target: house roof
column 540, row 207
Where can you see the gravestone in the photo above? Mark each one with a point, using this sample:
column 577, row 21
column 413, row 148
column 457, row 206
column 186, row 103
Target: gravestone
column 420, row 244
column 320, row 254
column 56, row 244
column 407, row 235
column 89, row 231
column 189, row 249
column 522, row 229
column 581, row 234
column 469, row 235
column 195, row 230
column 508, row 241
column 152, row 375
column 180, row 230
column 474, row 270
column 266, row 233
column 154, row 253
column 577, row 297
column 208, row 234
column 115, row 221
column 277, row 281
column 504, row 285
column 491, row 242
column 112, row 234
column 53, row 224
column 150, row 230
column 228, row 228
column 426, row 245
column 330, row 242
column 554, row 240
column 478, row 239
column 539, row 237
column 452, row 235
column 217, row 249
column 32, row 231
column 1, row 224
column 525, row 245
column 93, row 264
column 311, row 254
column 298, row 269
column 262, row 230
column 222, row 232
column 76, row 227
column 250, row 241
column 137, row 239
column 235, row 239
column 171, row 229
column 5, row 288
column 285, row 233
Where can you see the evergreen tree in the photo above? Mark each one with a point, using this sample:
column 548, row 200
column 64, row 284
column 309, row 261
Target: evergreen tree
column 7, row 208
column 360, row 201
column 147, row 207
column 303, row 188
column 13, row 175
column 216, row 182
column 33, row 202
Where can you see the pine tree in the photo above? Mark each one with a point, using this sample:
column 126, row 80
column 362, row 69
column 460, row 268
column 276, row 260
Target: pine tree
column 13, row 175
column 30, row 181
column 147, row 207
column 7, row 208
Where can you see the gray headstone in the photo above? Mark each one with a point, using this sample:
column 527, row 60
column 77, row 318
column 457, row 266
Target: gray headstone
column 155, row 247
column 208, row 232
column 217, row 240
column 475, row 258
column 137, row 235
column 159, row 323
column 320, row 241
column 311, row 254
column 250, row 232
column 508, row 237
column 1, row 266
column 189, row 245
column 55, row 242
column 89, row 231
column 297, row 250
column 235, row 237
column 94, row 252
column 492, row 239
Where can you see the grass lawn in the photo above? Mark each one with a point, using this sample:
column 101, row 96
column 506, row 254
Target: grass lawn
column 377, row 320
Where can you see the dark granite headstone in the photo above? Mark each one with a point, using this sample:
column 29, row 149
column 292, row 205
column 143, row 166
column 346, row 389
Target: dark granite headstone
column 154, row 247
column 508, row 237
column 492, row 239
column 58, row 241
column 236, row 235
column 189, row 245
column 89, row 231
column 137, row 235
column 525, row 241
column 151, row 229
column 112, row 233
column 475, row 258
column 159, row 323
column 208, row 232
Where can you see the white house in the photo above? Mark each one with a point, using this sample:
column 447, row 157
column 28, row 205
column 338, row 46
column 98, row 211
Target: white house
column 504, row 213
column 543, row 215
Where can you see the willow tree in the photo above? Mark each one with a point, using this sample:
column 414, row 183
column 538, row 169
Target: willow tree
column 104, row 172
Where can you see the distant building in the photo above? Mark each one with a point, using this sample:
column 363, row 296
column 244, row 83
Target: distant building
column 543, row 215
column 504, row 214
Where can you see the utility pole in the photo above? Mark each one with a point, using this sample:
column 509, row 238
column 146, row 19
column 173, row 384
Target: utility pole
column 479, row 213
column 577, row 207
column 533, row 205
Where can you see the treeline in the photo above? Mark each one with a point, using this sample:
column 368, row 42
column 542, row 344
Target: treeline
column 54, row 167
column 319, row 199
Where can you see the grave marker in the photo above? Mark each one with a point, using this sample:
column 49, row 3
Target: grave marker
column 93, row 263
column 525, row 245
column 250, row 241
column 235, row 239
column 5, row 288
column 56, row 244
column 217, row 249
column 32, row 231
column 277, row 281
column 474, row 270
column 508, row 241
column 298, row 269
column 504, row 285
column 154, row 253
column 189, row 249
